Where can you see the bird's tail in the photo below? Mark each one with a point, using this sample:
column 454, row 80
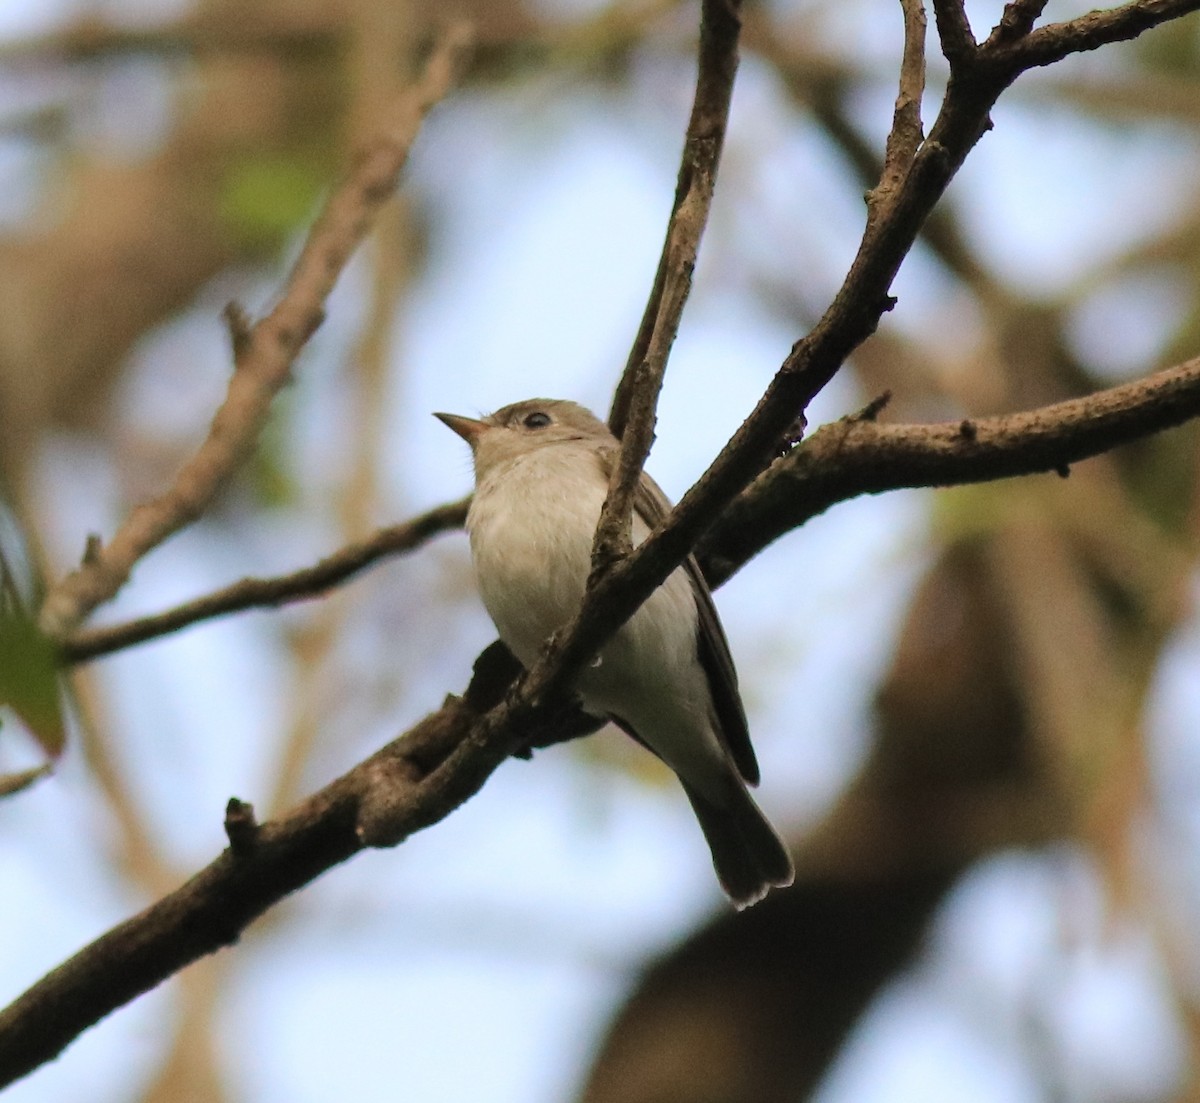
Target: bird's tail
column 749, row 857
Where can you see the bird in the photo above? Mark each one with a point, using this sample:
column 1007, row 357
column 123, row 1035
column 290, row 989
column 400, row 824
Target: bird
column 666, row 677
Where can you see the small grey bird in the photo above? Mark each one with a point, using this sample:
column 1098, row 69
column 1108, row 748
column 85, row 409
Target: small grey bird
column 541, row 476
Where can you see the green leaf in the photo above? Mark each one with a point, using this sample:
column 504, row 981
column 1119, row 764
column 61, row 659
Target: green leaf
column 28, row 668
column 265, row 198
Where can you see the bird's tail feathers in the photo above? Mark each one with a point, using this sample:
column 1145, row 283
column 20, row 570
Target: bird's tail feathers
column 747, row 853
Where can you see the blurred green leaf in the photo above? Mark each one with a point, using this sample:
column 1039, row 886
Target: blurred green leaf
column 28, row 668
column 269, row 472
column 1170, row 48
column 266, row 198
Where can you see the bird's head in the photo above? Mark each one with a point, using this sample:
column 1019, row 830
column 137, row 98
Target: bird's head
column 515, row 430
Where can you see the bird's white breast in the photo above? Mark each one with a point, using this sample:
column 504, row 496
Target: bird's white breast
column 532, row 523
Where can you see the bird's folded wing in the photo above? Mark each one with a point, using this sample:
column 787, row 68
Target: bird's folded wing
column 653, row 506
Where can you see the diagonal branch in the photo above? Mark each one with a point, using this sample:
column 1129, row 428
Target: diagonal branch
column 632, row 416
column 421, row 777
column 906, row 134
column 954, row 32
column 1052, row 43
column 264, row 354
column 840, row 461
column 891, row 230
column 261, row 593
column 1017, row 20
column 859, row 455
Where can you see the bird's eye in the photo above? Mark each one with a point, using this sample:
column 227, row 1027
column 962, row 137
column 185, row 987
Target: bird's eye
column 537, row 420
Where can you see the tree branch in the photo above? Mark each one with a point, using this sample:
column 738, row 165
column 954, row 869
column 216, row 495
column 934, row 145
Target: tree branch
column 422, row 776
column 208, row 912
column 840, row 461
column 1017, row 20
column 260, row 593
column 859, row 455
column 632, row 417
column 1052, row 43
column 907, row 133
column 979, row 76
column 954, row 32
column 263, row 354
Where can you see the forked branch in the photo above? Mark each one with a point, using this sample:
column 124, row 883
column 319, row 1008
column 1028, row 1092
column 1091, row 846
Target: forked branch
column 263, row 353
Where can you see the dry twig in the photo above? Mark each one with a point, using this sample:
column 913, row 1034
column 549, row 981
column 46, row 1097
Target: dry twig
column 632, row 416
column 907, row 133
column 264, row 593
column 264, row 354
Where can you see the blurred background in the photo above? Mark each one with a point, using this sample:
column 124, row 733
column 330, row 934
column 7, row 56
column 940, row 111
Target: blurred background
column 976, row 710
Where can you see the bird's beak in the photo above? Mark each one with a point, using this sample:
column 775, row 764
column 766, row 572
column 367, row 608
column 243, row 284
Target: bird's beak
column 466, row 427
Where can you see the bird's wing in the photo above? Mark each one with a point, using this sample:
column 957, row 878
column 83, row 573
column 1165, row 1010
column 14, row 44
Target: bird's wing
column 653, row 506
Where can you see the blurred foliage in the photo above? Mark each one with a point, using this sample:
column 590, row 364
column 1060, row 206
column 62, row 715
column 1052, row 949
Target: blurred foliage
column 1173, row 49
column 28, row 673
column 268, row 198
column 271, row 474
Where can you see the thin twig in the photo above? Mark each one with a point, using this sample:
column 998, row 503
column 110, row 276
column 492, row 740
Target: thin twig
column 954, row 32
column 1017, row 20
column 855, row 456
column 262, row 593
column 1052, row 43
column 264, row 355
column 907, row 132
column 632, row 416
column 720, row 29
